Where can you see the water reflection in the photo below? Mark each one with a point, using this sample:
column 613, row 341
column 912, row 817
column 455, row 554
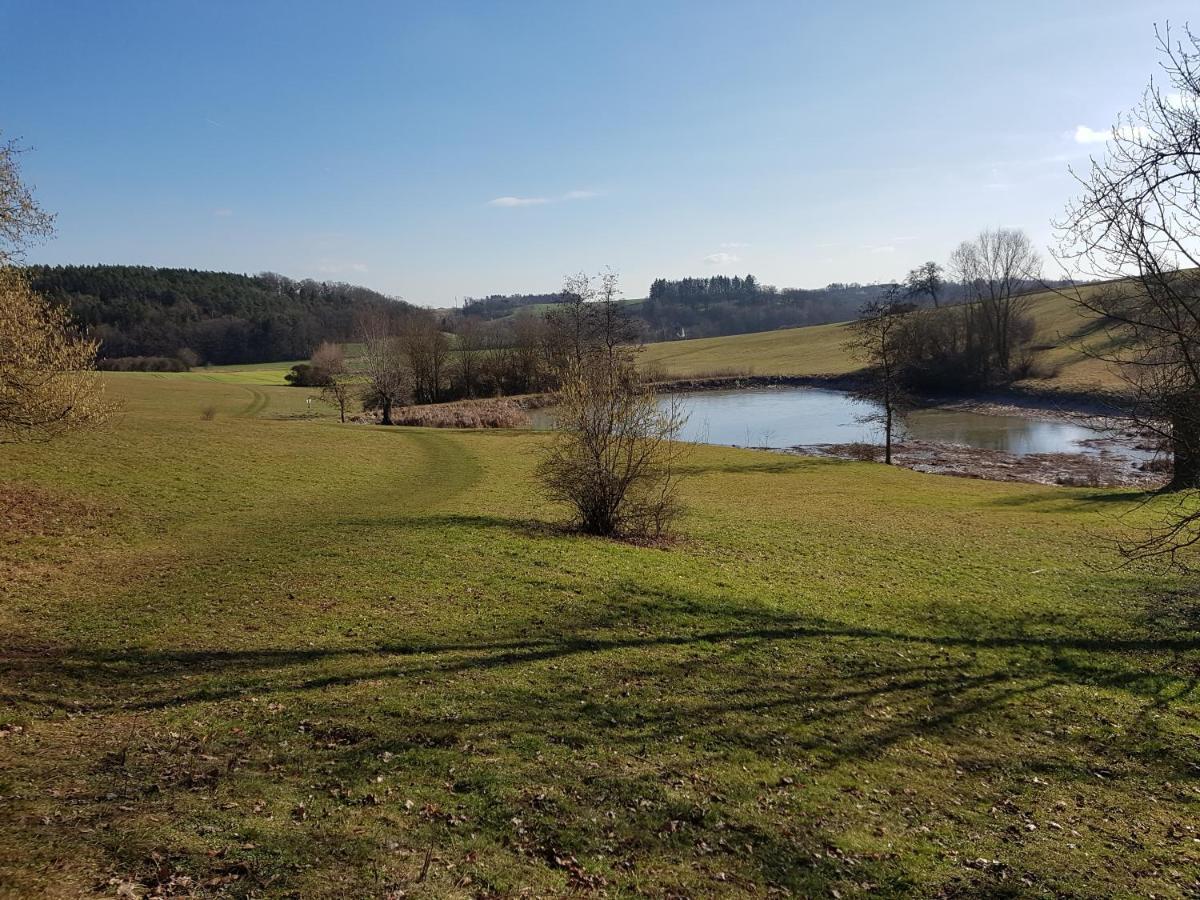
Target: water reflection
column 788, row 416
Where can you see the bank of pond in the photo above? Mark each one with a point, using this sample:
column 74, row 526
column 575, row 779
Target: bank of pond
column 1024, row 443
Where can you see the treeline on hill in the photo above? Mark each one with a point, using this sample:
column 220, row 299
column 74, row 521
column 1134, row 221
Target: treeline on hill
column 720, row 305
column 706, row 307
column 144, row 316
column 410, row 356
column 497, row 306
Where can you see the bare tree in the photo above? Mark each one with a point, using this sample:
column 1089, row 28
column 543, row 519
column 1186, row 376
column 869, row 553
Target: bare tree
column 530, row 352
column 472, row 342
column 996, row 270
column 22, row 221
column 1137, row 223
column 572, row 320
column 878, row 339
column 427, row 349
column 612, row 326
column 924, row 281
column 339, row 391
column 384, row 366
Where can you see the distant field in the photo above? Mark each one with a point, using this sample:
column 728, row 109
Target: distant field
column 820, row 350
column 251, row 653
column 814, row 350
column 271, row 373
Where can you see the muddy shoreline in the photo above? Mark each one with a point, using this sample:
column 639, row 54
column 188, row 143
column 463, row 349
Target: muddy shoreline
column 1106, row 469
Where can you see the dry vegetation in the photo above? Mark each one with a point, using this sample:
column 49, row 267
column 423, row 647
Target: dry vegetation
column 498, row 413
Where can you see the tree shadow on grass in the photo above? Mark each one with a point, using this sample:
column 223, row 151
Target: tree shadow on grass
column 780, row 464
column 1072, row 499
column 523, row 527
column 646, row 723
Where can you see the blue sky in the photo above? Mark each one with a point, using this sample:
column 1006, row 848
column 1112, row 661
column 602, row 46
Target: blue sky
column 444, row 149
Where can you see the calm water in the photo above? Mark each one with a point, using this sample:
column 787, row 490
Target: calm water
column 787, row 416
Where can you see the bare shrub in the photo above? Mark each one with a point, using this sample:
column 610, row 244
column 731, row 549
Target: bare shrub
column 208, row 413
column 1159, row 464
column 615, row 458
column 1090, row 472
column 340, row 390
column 862, row 451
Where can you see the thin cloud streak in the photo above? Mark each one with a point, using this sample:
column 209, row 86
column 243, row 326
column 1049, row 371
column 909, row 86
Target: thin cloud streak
column 513, row 202
column 722, row 259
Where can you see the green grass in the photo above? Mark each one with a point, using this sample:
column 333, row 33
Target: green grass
column 820, row 350
column 268, row 655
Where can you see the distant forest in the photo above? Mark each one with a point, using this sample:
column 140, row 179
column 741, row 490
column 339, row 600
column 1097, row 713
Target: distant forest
column 215, row 317
column 710, row 307
column 147, row 317
column 496, row 306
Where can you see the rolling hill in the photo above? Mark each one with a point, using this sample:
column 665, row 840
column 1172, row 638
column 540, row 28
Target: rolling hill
column 1062, row 330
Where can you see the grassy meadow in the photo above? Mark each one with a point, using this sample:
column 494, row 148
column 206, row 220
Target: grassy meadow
column 1062, row 330
column 263, row 654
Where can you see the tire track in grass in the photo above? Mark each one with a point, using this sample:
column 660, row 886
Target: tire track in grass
column 258, row 403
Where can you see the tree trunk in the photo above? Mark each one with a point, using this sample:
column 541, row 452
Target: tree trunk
column 1185, row 451
column 387, row 412
column 887, row 438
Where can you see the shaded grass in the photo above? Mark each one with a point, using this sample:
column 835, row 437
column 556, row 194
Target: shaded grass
column 299, row 655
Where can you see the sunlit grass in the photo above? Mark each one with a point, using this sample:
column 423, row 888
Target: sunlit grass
column 268, row 654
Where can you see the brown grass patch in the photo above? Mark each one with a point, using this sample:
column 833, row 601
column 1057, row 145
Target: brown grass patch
column 30, row 512
column 464, row 414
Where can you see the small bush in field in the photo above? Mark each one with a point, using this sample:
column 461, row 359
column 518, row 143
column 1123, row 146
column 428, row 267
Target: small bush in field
column 614, row 460
column 208, row 413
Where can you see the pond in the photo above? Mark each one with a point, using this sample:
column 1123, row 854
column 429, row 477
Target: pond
column 790, row 416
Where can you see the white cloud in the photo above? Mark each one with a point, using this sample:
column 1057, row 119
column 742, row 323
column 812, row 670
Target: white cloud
column 518, row 201
column 1085, row 135
column 542, row 201
column 334, row 266
column 734, row 245
column 722, row 259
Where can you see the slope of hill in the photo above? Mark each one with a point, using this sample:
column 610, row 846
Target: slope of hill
column 1062, row 332
column 220, row 316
